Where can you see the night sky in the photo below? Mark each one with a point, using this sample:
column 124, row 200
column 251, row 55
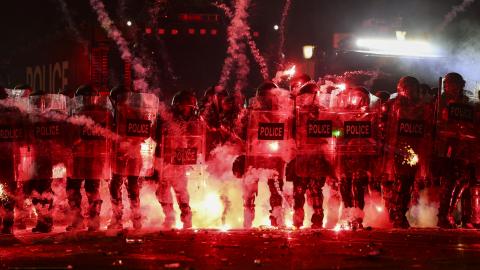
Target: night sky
column 24, row 23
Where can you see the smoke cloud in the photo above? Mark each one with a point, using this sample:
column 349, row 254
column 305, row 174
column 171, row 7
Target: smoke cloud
column 453, row 13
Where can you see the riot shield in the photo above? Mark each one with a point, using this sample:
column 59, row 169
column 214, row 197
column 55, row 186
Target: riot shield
column 183, row 146
column 49, row 153
column 269, row 131
column 91, row 147
column 13, row 137
column 134, row 153
column 407, row 139
column 314, row 136
column 355, row 130
column 457, row 129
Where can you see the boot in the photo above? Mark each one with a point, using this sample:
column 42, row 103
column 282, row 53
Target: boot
column 298, row 217
column 277, row 217
column 77, row 223
column 7, row 224
column 44, row 218
column 248, row 216
column 94, row 215
column 317, row 219
column 357, row 224
column 116, row 222
column 169, row 221
column 186, row 216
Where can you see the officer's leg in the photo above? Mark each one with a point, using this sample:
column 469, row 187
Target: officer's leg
column 8, row 204
column 299, row 189
column 133, row 187
column 42, row 199
column 402, row 195
column 346, row 191
column 250, row 190
column 316, row 194
column 75, row 202
column 359, row 184
column 275, row 186
column 466, row 208
column 449, row 174
column 22, row 213
column 92, row 188
column 115, row 188
column 180, row 186
column 226, row 203
column 164, row 197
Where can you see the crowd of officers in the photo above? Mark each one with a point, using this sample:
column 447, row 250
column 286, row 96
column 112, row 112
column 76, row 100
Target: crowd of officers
column 311, row 135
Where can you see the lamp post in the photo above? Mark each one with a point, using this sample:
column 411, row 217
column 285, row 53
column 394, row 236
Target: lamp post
column 308, row 51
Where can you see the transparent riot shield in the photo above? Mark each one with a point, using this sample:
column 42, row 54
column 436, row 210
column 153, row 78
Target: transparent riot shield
column 91, row 147
column 50, row 155
column 408, row 143
column 457, row 130
column 269, row 132
column 13, row 137
column 314, row 135
column 355, row 131
column 183, row 147
column 134, row 153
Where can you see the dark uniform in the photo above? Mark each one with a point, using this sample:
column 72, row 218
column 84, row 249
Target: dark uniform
column 269, row 131
column 356, row 149
column 91, row 156
column 407, row 147
column 134, row 152
column 183, row 145
column 49, row 153
column 454, row 158
column 12, row 137
column 315, row 146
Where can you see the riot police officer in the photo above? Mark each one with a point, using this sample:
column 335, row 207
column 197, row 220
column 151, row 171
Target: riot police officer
column 314, row 159
column 183, row 143
column 49, row 152
column 91, row 160
column 356, row 150
column 12, row 137
column 406, row 149
column 269, row 137
column 134, row 152
column 456, row 135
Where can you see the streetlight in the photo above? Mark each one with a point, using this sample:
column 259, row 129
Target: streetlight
column 308, row 51
column 308, row 55
column 129, row 23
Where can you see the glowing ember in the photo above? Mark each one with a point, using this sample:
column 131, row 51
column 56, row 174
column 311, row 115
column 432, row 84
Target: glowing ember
column 212, row 205
column 147, row 151
column 225, row 228
column 342, row 86
column 147, row 148
column 342, row 226
column 273, row 146
column 3, row 194
column 411, row 157
column 289, row 223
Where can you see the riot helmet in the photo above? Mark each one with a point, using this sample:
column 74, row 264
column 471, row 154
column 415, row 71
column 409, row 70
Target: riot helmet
column 409, row 88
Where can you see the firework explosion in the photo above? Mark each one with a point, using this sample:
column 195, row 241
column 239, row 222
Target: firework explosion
column 410, row 158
